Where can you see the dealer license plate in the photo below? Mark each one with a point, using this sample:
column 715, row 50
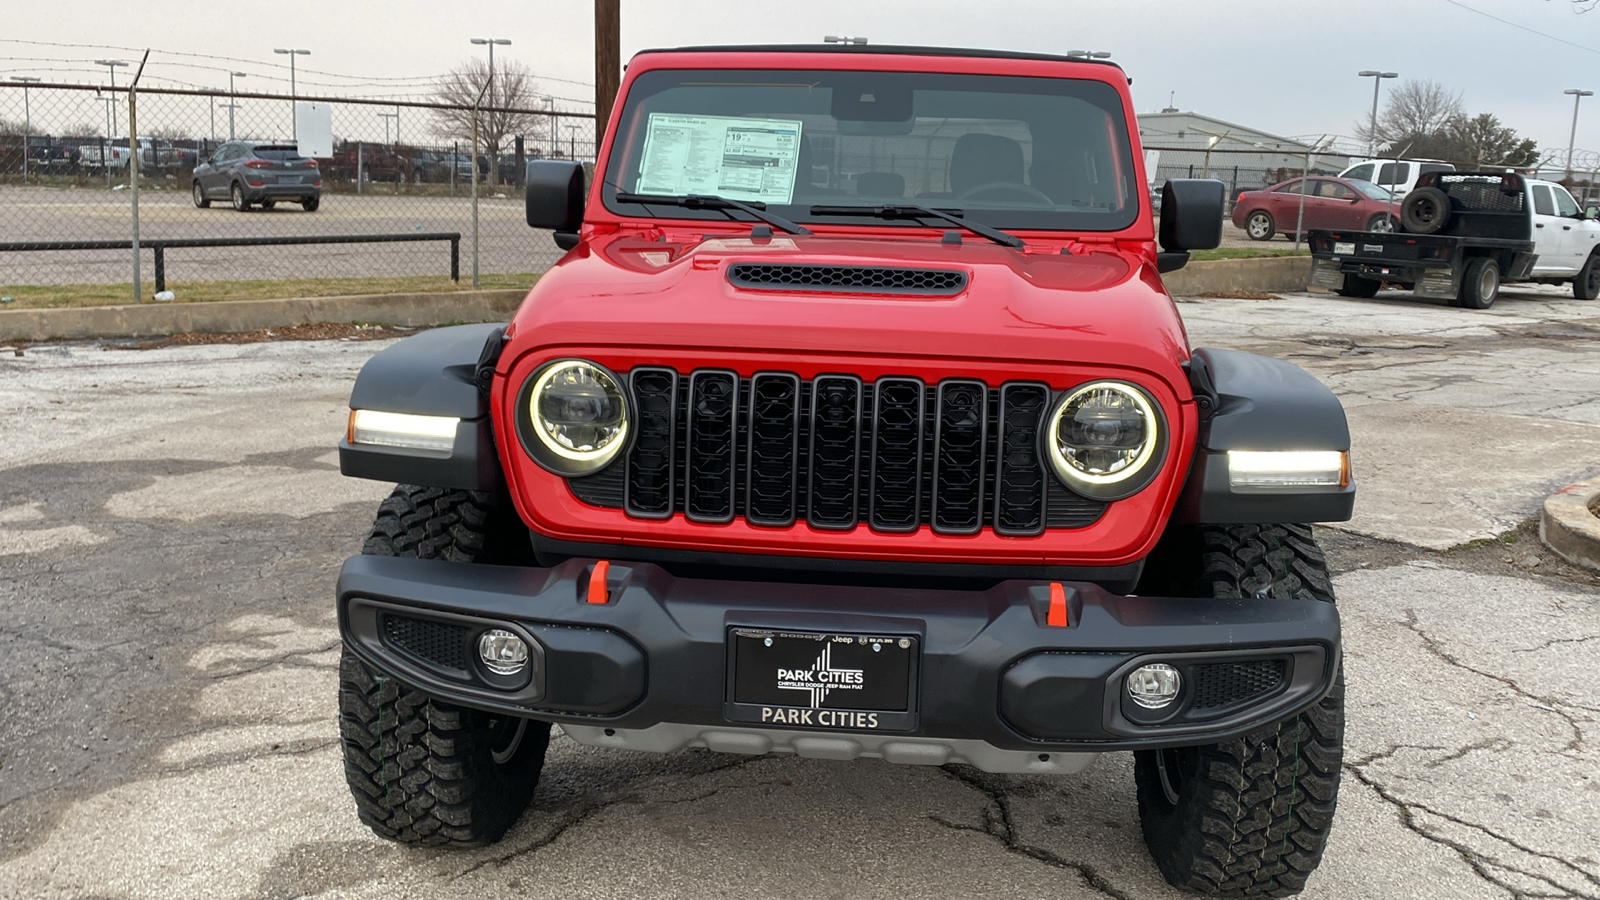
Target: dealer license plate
column 850, row 682
column 1344, row 247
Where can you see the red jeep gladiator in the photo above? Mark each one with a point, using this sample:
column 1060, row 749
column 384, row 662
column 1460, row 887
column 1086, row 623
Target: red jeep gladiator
column 855, row 422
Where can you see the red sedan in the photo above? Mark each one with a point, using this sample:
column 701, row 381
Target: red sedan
column 1329, row 203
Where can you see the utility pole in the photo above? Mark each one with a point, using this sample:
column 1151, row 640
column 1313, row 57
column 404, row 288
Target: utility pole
column 27, row 123
column 1577, row 96
column 294, row 123
column 1377, row 80
column 607, row 61
column 233, row 100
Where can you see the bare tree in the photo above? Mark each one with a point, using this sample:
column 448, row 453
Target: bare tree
column 1415, row 109
column 507, row 108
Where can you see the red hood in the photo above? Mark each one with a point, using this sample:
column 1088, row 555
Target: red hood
column 1095, row 307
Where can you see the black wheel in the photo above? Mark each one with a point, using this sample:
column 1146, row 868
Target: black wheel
column 1247, row 817
column 310, row 204
column 1425, row 210
column 1587, row 285
column 237, row 195
column 200, row 197
column 1356, row 286
column 424, row 771
column 1480, row 283
column 1259, row 226
column 1381, row 223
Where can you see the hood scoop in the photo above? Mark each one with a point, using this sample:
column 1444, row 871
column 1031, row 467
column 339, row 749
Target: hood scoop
column 848, row 279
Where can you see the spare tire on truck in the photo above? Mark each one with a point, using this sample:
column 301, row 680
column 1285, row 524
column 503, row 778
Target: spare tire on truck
column 1425, row 211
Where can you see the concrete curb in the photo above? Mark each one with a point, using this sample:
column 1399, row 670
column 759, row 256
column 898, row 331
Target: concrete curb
column 156, row 319
column 1569, row 523
column 1266, row 274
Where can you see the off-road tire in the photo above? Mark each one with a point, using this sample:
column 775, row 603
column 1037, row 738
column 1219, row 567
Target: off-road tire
column 1356, row 286
column 1587, row 285
column 1258, row 225
column 1251, row 815
column 424, row 771
column 1480, row 283
column 1425, row 210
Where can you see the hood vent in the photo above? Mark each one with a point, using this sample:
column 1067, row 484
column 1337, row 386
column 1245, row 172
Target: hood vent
column 847, row 279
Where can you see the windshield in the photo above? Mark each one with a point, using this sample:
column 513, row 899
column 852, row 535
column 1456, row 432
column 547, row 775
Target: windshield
column 1371, row 190
column 1008, row 151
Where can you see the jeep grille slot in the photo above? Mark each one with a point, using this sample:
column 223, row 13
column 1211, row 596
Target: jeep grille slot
column 847, row 279
column 713, row 442
column 896, row 454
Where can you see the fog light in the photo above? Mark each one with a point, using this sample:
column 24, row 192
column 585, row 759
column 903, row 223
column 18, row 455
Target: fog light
column 502, row 652
column 1154, row 686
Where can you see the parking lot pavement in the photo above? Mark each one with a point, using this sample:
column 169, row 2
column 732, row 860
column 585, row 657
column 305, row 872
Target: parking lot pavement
column 171, row 522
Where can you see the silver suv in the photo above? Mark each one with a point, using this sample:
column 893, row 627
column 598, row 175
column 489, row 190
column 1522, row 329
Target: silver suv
column 248, row 172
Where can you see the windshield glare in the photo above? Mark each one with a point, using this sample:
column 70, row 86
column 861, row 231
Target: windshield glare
column 1008, row 151
column 1371, row 190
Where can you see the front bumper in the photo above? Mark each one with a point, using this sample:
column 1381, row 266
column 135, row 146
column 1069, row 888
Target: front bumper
column 648, row 667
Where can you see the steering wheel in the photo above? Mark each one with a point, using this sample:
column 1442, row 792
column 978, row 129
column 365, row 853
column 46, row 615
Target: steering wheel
column 1038, row 197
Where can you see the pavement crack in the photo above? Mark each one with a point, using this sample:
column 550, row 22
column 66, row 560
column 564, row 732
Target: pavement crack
column 1554, row 641
column 278, row 660
column 1481, row 863
column 998, row 824
column 1542, row 703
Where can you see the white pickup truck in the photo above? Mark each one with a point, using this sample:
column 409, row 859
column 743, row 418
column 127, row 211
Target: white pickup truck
column 1463, row 234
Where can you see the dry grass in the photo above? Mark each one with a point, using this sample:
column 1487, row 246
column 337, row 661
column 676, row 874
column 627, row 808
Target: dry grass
column 62, row 296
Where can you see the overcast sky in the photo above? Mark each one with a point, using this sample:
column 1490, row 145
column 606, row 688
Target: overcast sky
column 1282, row 66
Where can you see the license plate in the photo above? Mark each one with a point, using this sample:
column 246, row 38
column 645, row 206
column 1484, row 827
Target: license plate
column 1344, row 247
column 827, row 680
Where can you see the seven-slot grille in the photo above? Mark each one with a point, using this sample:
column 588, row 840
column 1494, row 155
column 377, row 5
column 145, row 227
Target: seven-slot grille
column 837, row 452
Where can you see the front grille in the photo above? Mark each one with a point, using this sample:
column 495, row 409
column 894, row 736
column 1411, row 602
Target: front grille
column 440, row 643
column 852, row 279
column 1223, row 684
column 837, row 452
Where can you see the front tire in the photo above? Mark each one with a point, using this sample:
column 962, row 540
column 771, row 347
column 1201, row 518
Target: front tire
column 200, row 200
column 1259, row 226
column 1587, row 285
column 423, row 771
column 1249, row 816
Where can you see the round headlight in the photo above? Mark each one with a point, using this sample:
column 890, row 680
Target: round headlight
column 1105, row 439
column 578, row 416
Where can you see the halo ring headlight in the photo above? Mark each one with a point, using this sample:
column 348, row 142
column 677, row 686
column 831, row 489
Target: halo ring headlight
column 1105, row 439
column 573, row 416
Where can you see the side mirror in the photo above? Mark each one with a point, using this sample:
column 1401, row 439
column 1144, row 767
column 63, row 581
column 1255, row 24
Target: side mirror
column 554, row 199
column 1191, row 219
column 1592, row 212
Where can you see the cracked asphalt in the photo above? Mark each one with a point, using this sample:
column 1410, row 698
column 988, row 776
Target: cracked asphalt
column 171, row 522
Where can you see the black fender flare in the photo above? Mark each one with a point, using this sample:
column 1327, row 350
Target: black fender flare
column 1251, row 402
column 440, row 372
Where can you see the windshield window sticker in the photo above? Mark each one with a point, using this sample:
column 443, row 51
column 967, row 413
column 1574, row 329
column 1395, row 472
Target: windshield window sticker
column 737, row 158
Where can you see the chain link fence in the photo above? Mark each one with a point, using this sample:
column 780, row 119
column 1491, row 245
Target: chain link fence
column 395, row 168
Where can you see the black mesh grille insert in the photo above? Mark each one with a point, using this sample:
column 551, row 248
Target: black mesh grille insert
column 651, row 462
column 854, row 279
column 1020, row 477
column 958, row 464
column 440, row 643
column 774, row 436
column 1222, row 684
column 897, row 425
column 713, row 433
column 896, row 454
column 835, row 450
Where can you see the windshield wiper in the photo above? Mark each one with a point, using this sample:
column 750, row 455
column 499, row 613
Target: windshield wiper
column 903, row 211
column 712, row 201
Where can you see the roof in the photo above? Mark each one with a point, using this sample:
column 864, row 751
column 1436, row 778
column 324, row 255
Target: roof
column 881, row 49
column 1235, row 132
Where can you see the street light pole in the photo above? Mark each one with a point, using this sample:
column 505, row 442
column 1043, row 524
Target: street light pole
column 491, row 44
column 233, row 101
column 386, row 117
column 27, row 122
column 1377, row 80
column 292, row 53
column 550, row 123
column 105, row 143
column 112, row 65
column 1577, row 96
